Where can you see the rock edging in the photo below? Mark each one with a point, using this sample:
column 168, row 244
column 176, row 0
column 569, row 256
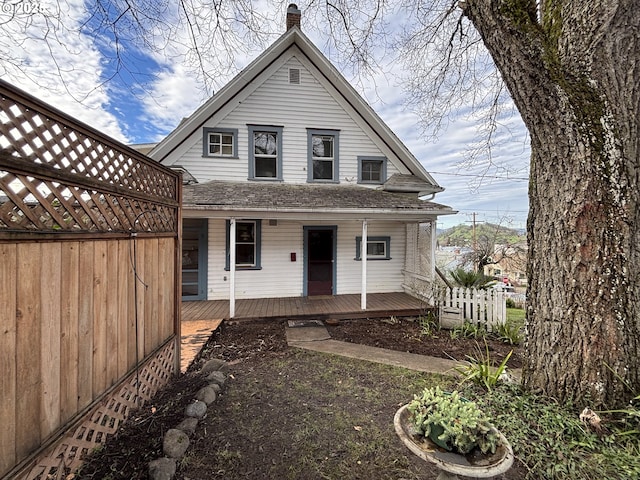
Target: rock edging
column 176, row 440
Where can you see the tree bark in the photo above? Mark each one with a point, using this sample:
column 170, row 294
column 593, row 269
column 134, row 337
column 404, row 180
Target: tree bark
column 573, row 71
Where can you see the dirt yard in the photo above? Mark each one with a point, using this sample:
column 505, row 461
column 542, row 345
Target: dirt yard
column 290, row 413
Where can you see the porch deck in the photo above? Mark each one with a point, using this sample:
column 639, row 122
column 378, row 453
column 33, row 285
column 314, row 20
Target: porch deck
column 319, row 307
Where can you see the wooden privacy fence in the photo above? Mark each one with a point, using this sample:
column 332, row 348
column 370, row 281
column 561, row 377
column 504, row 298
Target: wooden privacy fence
column 486, row 307
column 89, row 305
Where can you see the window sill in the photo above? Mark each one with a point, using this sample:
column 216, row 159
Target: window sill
column 372, row 259
column 238, row 269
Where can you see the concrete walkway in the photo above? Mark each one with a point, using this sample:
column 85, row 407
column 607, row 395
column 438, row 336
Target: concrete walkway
column 317, row 338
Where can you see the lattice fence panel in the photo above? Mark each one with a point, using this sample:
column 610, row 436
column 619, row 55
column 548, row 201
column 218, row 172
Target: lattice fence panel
column 59, row 175
column 104, row 420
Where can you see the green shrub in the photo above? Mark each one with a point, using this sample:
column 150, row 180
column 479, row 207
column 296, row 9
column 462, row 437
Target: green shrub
column 481, row 369
column 452, row 421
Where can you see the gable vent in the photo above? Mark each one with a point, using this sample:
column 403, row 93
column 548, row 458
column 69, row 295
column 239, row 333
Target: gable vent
column 294, row 76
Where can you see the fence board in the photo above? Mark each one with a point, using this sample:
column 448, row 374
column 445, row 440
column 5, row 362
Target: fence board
column 8, row 355
column 69, row 308
column 167, row 277
column 99, row 371
column 140, row 286
column 85, row 324
column 50, row 338
column 113, row 300
column 152, row 281
column 123, row 302
column 28, row 384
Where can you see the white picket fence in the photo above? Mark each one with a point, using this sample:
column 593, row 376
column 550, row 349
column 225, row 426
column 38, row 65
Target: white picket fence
column 486, row 307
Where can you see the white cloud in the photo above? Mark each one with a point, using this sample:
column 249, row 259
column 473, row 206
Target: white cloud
column 174, row 95
column 71, row 82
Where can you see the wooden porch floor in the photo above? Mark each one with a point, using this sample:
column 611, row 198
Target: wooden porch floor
column 320, row 307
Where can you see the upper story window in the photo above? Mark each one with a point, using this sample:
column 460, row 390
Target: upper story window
column 323, row 150
column 220, row 142
column 372, row 170
column 265, row 152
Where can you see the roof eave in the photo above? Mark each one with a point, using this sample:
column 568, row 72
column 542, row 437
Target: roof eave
column 227, row 211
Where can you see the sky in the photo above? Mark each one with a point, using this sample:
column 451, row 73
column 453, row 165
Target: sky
column 147, row 98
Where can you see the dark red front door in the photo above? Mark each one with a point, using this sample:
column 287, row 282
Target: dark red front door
column 320, row 261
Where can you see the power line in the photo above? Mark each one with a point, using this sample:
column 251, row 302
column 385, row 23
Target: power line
column 526, row 179
column 495, row 210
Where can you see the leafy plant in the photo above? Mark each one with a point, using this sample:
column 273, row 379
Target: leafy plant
column 468, row 330
column 452, row 421
column 481, row 370
column 428, row 324
column 470, row 278
column 509, row 332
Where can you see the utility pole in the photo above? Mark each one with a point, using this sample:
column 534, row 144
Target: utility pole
column 475, row 243
column 474, row 238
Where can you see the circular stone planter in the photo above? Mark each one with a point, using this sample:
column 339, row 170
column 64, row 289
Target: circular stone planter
column 452, row 464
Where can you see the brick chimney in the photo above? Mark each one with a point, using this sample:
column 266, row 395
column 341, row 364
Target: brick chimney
column 293, row 16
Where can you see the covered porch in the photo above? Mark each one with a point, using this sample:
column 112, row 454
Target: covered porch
column 317, row 307
column 201, row 318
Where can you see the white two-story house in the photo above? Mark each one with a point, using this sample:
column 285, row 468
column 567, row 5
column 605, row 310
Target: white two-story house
column 288, row 173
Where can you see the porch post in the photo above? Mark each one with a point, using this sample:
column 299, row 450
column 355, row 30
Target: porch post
column 232, row 267
column 434, row 244
column 363, row 258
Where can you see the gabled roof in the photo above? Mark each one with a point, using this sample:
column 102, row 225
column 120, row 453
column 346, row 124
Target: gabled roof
column 295, row 38
column 260, row 199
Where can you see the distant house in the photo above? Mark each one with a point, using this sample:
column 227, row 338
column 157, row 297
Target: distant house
column 288, row 173
column 510, row 264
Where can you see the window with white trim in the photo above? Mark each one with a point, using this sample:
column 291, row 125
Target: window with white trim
column 220, row 142
column 265, row 152
column 322, row 152
column 378, row 248
column 372, row 170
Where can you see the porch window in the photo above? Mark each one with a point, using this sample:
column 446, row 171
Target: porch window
column 248, row 243
column 372, row 170
column 265, row 152
column 220, row 142
column 377, row 248
column 322, row 153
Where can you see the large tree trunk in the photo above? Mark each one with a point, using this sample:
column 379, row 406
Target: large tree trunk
column 574, row 77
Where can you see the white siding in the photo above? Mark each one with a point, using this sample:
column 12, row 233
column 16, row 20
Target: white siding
column 294, row 107
column 382, row 275
column 280, row 277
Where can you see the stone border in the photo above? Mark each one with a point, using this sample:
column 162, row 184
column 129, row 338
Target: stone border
column 176, row 440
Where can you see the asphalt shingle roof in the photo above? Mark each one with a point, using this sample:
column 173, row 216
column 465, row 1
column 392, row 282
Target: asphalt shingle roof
column 300, row 196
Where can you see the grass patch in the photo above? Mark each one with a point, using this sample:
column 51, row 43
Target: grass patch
column 515, row 315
